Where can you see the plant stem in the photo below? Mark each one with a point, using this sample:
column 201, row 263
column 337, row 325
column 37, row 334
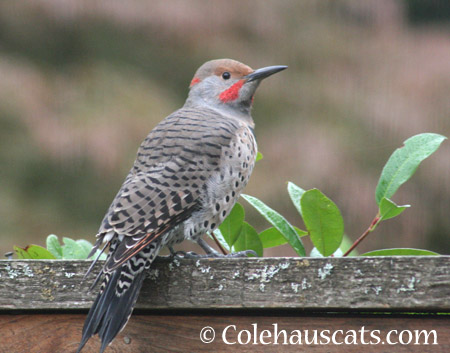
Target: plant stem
column 360, row 239
column 218, row 244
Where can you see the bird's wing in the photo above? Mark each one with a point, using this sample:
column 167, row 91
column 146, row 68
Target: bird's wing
column 164, row 186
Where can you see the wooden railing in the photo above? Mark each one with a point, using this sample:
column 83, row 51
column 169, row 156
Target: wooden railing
column 43, row 304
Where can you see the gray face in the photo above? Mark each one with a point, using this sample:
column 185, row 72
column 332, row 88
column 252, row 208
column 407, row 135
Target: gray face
column 233, row 93
column 227, row 85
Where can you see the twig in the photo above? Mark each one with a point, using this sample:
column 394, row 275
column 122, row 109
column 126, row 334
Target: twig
column 360, row 239
column 218, row 244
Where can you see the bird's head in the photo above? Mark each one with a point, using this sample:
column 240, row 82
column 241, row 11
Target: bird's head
column 227, row 84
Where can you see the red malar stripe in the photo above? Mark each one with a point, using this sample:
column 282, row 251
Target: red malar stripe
column 194, row 81
column 231, row 93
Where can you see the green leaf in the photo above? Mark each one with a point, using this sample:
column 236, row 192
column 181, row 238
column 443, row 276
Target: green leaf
column 39, row 252
column 103, row 256
column 221, row 239
column 33, row 252
column 279, row 222
column 54, row 246
column 346, row 244
column 259, row 156
column 248, row 239
column 73, row 250
column 21, row 253
column 85, row 245
column 404, row 161
column 272, row 237
column 389, row 209
column 323, row 221
column 400, row 252
column 300, row 232
column 231, row 225
column 296, row 192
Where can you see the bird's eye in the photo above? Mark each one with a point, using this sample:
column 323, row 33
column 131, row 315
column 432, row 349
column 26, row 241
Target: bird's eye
column 226, row 75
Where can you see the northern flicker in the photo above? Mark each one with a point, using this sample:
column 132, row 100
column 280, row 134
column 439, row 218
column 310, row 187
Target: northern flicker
column 188, row 174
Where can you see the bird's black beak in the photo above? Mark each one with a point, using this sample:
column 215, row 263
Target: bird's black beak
column 264, row 72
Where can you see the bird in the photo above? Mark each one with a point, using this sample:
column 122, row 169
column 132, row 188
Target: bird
column 188, row 174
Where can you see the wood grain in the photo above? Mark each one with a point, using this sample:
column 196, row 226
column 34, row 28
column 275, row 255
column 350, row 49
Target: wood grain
column 309, row 284
column 60, row 333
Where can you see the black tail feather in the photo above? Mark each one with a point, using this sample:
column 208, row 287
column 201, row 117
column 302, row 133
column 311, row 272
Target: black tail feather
column 110, row 312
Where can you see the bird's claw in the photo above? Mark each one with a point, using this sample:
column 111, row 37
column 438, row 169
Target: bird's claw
column 187, row 255
column 193, row 255
column 243, row 253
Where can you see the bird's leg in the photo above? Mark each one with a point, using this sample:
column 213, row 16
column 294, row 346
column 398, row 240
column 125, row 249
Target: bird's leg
column 173, row 253
column 180, row 254
column 183, row 254
column 210, row 252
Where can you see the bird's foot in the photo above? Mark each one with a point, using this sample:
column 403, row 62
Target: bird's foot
column 215, row 255
column 243, row 253
column 187, row 255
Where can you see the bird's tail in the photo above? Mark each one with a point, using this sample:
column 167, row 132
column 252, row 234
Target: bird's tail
column 114, row 304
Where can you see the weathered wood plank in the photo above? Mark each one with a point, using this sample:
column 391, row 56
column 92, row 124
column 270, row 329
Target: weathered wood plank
column 60, row 333
column 363, row 283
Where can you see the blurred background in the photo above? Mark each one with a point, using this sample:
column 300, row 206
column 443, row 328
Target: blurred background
column 83, row 82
